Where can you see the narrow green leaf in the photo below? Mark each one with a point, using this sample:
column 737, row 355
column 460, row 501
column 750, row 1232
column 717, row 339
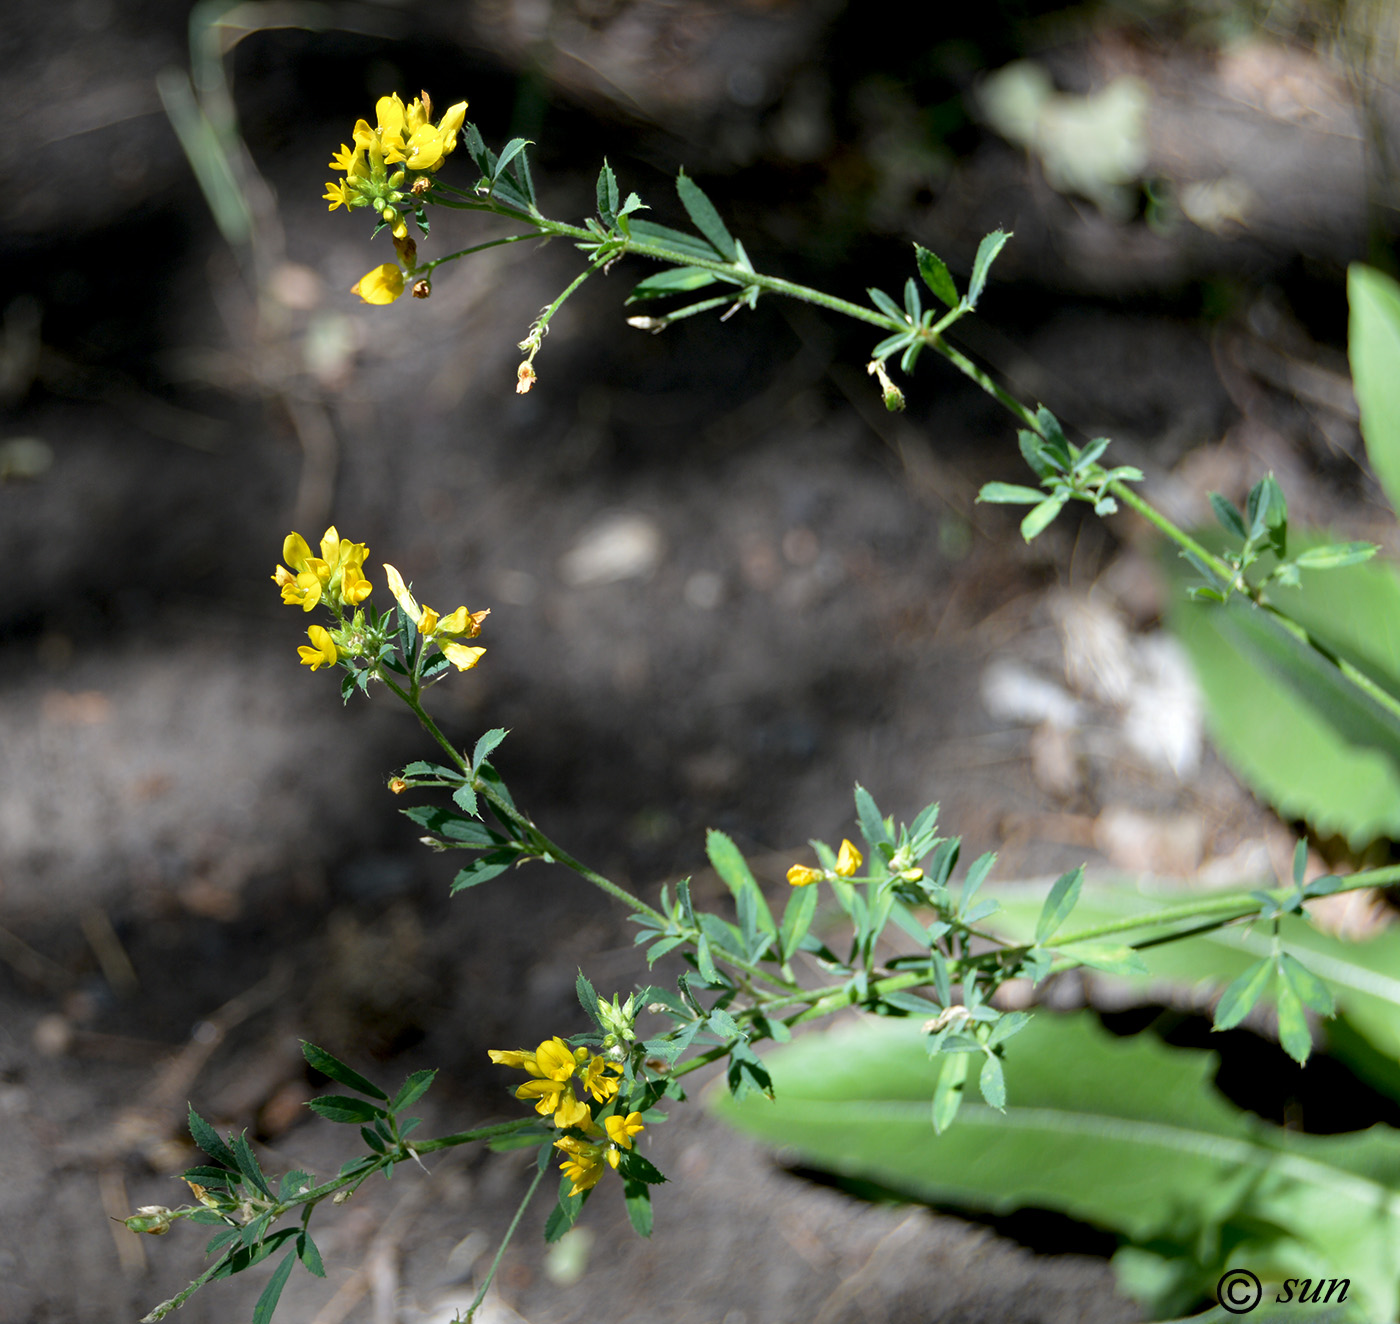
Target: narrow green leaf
column 729, row 863
column 508, row 154
column 272, row 1293
column 1041, row 517
column 1089, row 454
column 1238, row 1000
column 936, row 276
column 607, row 194
column 912, row 305
column 1112, row 958
column 663, row 236
column 659, row 949
column 705, row 961
column 633, row 204
column 524, row 178
column 1229, row 516
column 948, row 1094
column 1333, row 556
column 413, row 1089
column 345, row 1109
column 675, row 280
column 1010, row 494
column 707, row 220
column 987, row 252
column 797, row 919
column 207, row 1139
column 1293, row 1032
column 885, row 304
column 483, row 869
column 588, row 999
column 976, row 875
column 872, row 826
column 248, row 1164
column 1058, row 904
column 1035, row 453
column 327, row 1065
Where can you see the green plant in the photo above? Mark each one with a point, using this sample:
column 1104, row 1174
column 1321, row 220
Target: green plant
column 595, row 1091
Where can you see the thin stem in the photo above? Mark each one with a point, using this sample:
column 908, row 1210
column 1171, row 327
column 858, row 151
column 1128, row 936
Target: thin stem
column 505, row 1241
column 475, row 248
column 1178, row 535
column 494, row 1132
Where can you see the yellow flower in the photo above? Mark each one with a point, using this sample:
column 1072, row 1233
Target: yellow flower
column 336, row 574
column 602, row 1087
column 801, row 876
column 622, row 1129
column 322, row 651
column 512, row 1058
column 409, row 135
column 382, row 285
column 848, row 860
column 584, row 1164
column 444, row 631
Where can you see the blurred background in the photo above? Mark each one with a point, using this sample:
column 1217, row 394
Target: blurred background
column 724, row 583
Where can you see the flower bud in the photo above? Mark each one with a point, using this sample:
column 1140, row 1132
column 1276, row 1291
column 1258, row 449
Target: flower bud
column 801, row 876
column 152, row 1219
column 397, row 785
column 421, row 289
column 524, row 379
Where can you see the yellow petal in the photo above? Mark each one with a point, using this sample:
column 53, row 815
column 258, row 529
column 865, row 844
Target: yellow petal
column 461, row 656
column 848, row 860
column 390, row 113
column 451, row 125
column 382, row 285
column 322, row 651
column 295, row 552
column 800, row 875
column 401, row 594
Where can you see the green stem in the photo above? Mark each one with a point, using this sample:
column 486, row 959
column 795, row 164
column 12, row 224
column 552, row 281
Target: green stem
column 1184, row 540
column 467, row 252
column 505, row 1241
column 507, row 812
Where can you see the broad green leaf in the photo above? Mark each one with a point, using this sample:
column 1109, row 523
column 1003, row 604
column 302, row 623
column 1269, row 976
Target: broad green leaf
column 310, row 1255
column 483, row 869
column 1126, row 1134
column 936, row 276
column 487, row 745
column 1364, row 976
column 1058, row 904
column 1290, row 724
column 992, row 1082
column 707, row 220
column 1010, row 494
column 1238, row 1000
column 987, row 252
column 465, row 799
column 1374, row 349
column 638, row 1199
column 705, row 961
column 1311, row 991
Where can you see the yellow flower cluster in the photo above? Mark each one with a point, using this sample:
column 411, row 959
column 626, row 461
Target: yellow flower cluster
column 389, row 169
column 335, row 578
column 848, row 862
column 444, row 631
column 555, row 1068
